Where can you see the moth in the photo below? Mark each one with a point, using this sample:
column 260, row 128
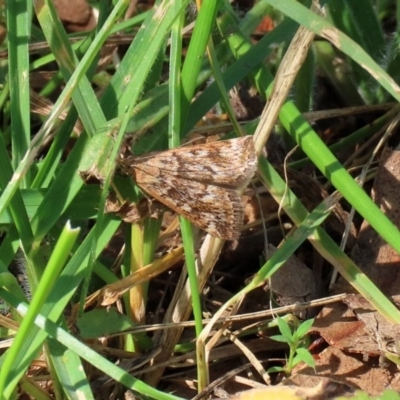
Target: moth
column 201, row 182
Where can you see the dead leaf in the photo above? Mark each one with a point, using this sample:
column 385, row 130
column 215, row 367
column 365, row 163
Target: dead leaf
column 353, row 370
column 378, row 328
column 77, row 15
column 339, row 326
column 129, row 212
column 371, row 253
column 354, row 327
column 294, row 282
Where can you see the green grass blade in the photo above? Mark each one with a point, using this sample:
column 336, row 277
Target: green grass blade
column 60, row 295
column 18, row 24
column 323, row 28
column 54, row 266
column 101, row 363
column 129, row 79
column 17, row 209
column 195, row 52
column 70, row 376
column 321, row 156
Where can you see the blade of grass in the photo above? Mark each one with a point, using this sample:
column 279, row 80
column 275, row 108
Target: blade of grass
column 138, row 62
column 131, row 74
column 195, row 52
column 320, row 155
column 325, row 245
column 92, row 117
column 367, row 32
column 68, row 378
column 245, row 63
column 18, row 21
column 60, row 295
column 17, row 209
column 18, row 26
column 178, row 105
column 48, row 327
column 57, row 260
column 305, row 229
column 323, row 28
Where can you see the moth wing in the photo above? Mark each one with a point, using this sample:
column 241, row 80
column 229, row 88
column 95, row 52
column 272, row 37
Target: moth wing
column 218, row 211
column 229, row 163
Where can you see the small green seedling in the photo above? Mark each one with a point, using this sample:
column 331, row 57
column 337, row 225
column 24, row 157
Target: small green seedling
column 296, row 342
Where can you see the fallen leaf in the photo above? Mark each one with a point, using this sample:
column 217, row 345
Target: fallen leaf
column 371, row 253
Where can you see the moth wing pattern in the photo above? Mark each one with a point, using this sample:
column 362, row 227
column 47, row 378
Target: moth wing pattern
column 218, row 212
column 202, row 182
column 230, row 163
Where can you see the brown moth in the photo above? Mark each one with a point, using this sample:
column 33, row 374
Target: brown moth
column 201, row 182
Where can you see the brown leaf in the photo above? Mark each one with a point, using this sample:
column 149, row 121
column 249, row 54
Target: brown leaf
column 340, row 328
column 371, row 253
